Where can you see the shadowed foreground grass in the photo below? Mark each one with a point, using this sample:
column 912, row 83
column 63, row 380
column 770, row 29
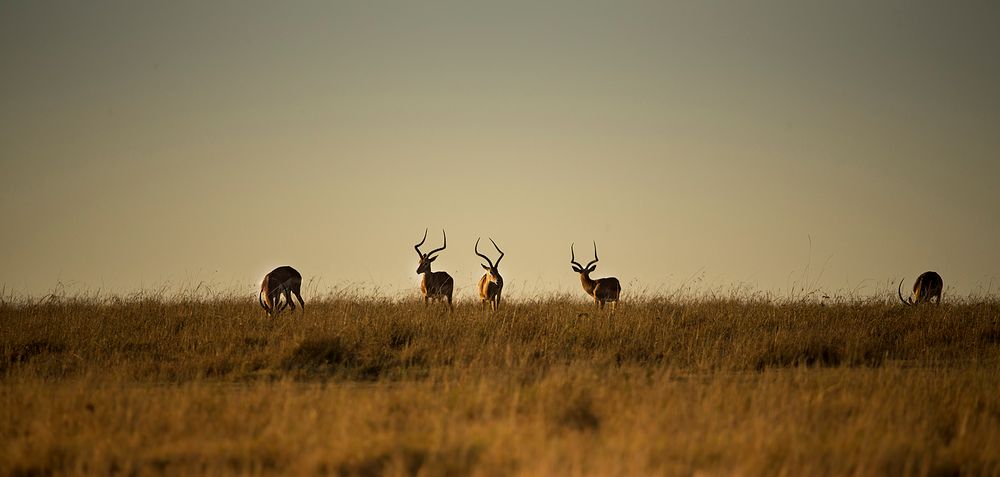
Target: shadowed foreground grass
column 374, row 387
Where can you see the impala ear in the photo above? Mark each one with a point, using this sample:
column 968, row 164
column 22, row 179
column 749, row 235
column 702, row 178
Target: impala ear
column 484, row 267
column 576, row 268
column 432, row 259
column 592, row 268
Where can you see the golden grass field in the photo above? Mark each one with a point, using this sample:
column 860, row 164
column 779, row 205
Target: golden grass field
column 373, row 386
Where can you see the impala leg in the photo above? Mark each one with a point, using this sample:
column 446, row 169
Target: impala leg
column 268, row 304
column 299, row 296
column 279, row 305
column 288, row 299
column 450, row 307
column 296, row 288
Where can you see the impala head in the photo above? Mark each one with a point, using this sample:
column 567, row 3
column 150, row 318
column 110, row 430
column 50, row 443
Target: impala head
column 580, row 268
column 493, row 268
column 424, row 266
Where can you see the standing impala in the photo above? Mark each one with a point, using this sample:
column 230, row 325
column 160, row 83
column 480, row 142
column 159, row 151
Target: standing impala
column 433, row 284
column 602, row 289
column 281, row 281
column 927, row 286
column 491, row 284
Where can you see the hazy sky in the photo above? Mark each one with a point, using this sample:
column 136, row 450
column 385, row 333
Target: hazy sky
column 841, row 145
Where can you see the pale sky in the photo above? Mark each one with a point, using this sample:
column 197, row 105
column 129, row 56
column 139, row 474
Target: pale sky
column 842, row 145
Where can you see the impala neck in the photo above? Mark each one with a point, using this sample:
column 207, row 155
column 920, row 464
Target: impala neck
column 588, row 284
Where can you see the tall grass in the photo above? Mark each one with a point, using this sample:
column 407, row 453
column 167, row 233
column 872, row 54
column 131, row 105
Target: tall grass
column 154, row 340
column 373, row 386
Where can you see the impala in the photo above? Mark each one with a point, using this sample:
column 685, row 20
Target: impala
column 602, row 289
column 281, row 281
column 433, row 284
column 491, row 284
column 927, row 286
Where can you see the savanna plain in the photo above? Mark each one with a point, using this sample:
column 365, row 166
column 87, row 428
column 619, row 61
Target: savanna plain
column 366, row 385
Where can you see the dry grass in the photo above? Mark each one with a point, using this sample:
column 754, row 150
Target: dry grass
column 371, row 386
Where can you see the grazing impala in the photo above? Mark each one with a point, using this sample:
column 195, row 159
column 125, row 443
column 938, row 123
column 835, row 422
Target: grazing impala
column 927, row 286
column 433, row 284
column 602, row 289
column 281, row 281
column 491, row 284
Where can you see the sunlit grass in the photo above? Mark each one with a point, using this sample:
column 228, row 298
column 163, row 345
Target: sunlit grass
column 372, row 386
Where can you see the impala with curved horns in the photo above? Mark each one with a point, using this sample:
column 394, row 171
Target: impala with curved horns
column 927, row 286
column 603, row 289
column 433, row 284
column 280, row 281
column 491, row 283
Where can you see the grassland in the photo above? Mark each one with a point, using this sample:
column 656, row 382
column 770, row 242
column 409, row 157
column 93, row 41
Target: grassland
column 373, row 386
